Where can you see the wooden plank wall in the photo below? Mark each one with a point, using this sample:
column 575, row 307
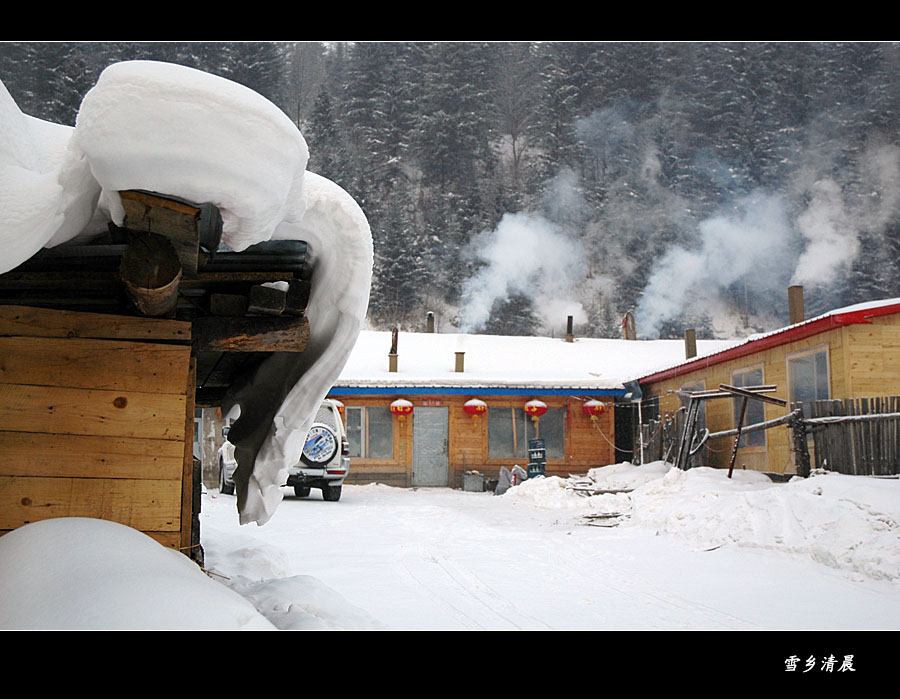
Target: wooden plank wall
column 864, row 360
column 94, row 419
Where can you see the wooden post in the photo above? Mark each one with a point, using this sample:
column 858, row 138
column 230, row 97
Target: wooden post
column 801, row 450
column 795, row 304
column 392, row 356
column 690, row 343
column 737, row 439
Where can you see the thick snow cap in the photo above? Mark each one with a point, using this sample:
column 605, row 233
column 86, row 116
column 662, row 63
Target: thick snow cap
column 185, row 133
column 179, row 131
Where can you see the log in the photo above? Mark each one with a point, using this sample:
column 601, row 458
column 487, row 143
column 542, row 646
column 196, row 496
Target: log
column 151, row 272
column 250, row 334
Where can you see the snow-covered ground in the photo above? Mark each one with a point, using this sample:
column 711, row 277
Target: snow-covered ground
column 692, row 551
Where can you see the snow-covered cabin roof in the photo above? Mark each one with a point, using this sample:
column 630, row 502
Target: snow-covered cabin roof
column 504, row 364
column 848, row 315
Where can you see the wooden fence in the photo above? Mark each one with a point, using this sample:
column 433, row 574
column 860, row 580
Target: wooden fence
column 858, row 436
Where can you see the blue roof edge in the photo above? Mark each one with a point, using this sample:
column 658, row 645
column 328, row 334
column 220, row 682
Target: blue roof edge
column 471, row 391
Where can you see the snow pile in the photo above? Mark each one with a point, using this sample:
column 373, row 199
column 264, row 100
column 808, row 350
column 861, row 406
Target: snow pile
column 846, row 522
column 78, row 573
column 179, row 131
column 184, row 133
column 47, row 193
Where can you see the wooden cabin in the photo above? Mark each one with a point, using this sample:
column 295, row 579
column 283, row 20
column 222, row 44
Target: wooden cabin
column 849, row 353
column 107, row 348
column 433, row 438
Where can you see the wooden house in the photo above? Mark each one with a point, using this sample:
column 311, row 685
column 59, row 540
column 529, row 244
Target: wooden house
column 107, row 348
column 423, row 409
column 849, row 353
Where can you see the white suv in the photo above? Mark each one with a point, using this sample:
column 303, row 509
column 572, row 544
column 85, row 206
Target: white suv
column 324, row 463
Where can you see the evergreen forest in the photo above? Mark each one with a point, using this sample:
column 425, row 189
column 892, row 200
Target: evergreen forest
column 510, row 185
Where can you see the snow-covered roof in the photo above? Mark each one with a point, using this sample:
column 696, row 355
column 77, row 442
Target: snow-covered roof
column 493, row 363
column 848, row 315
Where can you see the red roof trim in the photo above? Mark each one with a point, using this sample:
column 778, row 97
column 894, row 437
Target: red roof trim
column 799, row 331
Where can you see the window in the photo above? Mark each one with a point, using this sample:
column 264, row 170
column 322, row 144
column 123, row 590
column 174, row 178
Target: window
column 509, row 430
column 755, row 411
column 808, row 376
column 370, row 432
column 701, row 408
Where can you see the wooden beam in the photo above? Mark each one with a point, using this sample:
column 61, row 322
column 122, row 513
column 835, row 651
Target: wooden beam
column 251, row 334
column 266, row 300
column 43, row 322
column 114, row 365
column 755, row 393
column 187, row 475
column 178, row 221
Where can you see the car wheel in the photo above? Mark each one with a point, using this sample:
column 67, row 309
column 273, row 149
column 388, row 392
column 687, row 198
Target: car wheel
column 224, row 488
column 331, row 493
column 301, row 491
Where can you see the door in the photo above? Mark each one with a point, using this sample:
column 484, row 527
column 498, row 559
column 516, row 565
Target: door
column 431, row 453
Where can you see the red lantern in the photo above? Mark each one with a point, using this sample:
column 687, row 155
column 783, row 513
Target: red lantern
column 535, row 408
column 593, row 409
column 339, row 406
column 475, row 408
column 401, row 408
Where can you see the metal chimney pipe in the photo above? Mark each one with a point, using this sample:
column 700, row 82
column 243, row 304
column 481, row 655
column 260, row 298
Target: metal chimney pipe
column 460, row 362
column 429, row 322
column 570, row 333
column 795, row 304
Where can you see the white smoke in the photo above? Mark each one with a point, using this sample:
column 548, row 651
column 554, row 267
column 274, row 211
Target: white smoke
column 747, row 245
column 764, row 249
column 526, row 254
column 832, row 241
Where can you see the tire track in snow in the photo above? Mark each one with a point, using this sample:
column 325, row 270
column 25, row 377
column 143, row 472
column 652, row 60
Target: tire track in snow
column 700, row 614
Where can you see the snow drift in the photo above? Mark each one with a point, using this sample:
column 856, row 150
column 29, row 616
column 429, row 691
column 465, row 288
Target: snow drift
column 185, row 133
column 95, row 574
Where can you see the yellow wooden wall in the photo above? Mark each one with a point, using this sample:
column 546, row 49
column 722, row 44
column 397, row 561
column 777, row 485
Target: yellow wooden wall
column 588, row 443
column 864, row 360
column 96, row 413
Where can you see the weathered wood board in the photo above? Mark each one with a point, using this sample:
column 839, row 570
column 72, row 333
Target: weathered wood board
column 96, row 415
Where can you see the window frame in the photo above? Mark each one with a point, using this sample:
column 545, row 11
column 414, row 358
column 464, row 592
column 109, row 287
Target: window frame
column 522, row 434
column 802, row 354
column 365, row 432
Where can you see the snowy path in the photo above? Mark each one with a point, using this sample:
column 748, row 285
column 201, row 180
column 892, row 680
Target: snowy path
column 443, row 559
